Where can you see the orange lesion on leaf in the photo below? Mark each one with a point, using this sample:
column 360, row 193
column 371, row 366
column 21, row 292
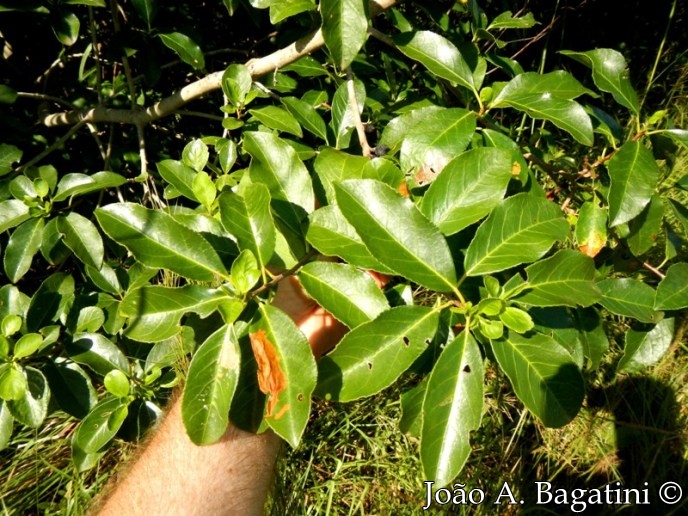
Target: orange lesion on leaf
column 515, row 169
column 592, row 245
column 271, row 378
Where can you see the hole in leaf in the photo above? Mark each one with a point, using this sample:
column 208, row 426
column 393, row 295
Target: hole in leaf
column 370, row 365
column 467, row 369
column 427, row 341
column 406, row 340
column 300, row 397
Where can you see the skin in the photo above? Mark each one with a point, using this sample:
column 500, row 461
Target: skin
column 174, row 476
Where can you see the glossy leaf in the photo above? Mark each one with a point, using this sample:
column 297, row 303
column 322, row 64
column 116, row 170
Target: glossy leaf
column 672, row 291
column 610, row 74
column 286, row 8
column 630, row 298
column 196, row 154
column 645, row 348
column 65, row 25
column 50, row 302
column 247, row 217
column 307, row 116
column 558, row 84
column 156, row 240
column 286, row 372
column 396, row 130
column 210, row 386
column 396, row 233
column 13, row 382
column 506, row 20
column 97, row 352
column 236, row 84
column 520, row 230
column 71, row 387
column 277, row 118
column 356, row 369
column 331, row 234
column 275, row 164
column 349, row 294
column 332, row 165
column 185, row 48
column 72, row 185
column 469, row 187
column 27, row 345
column 101, row 425
column 452, row 409
column 21, row 248
column 32, row 407
column 344, row 28
column 438, row 55
column 179, row 175
column 592, row 335
column 12, row 213
column 543, row 375
column 428, row 147
column 154, row 311
column 516, row 319
column 644, row 230
column 633, row 173
column 82, row 237
column 146, row 9
column 591, row 228
column 567, row 278
column 6, row 425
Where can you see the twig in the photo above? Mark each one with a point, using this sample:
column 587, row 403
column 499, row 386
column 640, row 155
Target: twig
column 279, row 277
column 50, row 149
column 96, row 54
column 653, row 270
column 356, row 112
column 200, row 114
column 167, row 106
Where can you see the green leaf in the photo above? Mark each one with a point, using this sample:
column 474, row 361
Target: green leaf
column 543, row 375
column 347, row 293
column 210, row 385
column 6, row 425
column 156, row 240
column 117, row 383
column 275, row 164
column 592, row 335
column 307, row 116
column 644, row 230
column 101, row 425
column 358, row 368
column 204, row 189
column 469, row 187
column 11, row 324
column 231, row 5
column 672, row 291
column 155, row 311
column 645, row 348
column 50, row 302
column 332, row 165
column 104, row 278
column 630, row 298
column 244, row 275
column 610, row 74
column 452, row 409
column 396, row 130
column 428, row 147
column 396, row 233
column 146, row 9
column 179, row 175
column 437, row 54
column 286, row 8
column 344, row 28
column 71, row 387
column 185, row 48
column 520, row 230
column 567, row 278
column 7, row 96
column 227, row 152
column 591, row 228
column 516, row 319
column 27, row 345
column 307, row 66
column 558, row 84
column 634, row 174
column 331, row 234
column 9, row 155
column 12, row 213
column 65, row 26
column 90, row 3
column 196, row 154
column 564, row 113
column 247, row 217
column 83, row 238
column 507, row 21
column 286, row 372
column 97, row 352
column 236, row 84
column 277, row 118
column 680, row 136
column 72, row 185
column 32, row 407
column 21, row 248
column 13, row 383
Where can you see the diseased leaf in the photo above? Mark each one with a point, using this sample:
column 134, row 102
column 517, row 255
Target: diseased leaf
column 633, row 173
column 210, row 385
column 469, row 187
column 157, row 241
column 452, row 409
column 396, row 233
column 672, row 291
column 356, row 369
column 645, row 348
column 347, row 293
column 520, row 230
column 630, row 298
column 591, row 228
column 9, row 155
column 543, row 375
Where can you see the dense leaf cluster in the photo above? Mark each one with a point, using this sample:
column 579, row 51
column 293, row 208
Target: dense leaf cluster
column 503, row 205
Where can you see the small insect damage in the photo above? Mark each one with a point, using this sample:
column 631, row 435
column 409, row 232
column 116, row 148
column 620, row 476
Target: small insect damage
column 271, row 378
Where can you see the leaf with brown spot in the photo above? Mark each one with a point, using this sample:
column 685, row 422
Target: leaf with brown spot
column 591, row 229
column 286, row 372
column 271, row 379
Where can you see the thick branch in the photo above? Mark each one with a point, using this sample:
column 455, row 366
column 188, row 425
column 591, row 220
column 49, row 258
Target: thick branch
column 201, row 87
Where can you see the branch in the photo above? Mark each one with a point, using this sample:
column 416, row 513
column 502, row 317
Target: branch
column 201, row 87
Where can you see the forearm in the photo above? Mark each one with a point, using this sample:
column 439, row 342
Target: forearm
column 175, row 476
